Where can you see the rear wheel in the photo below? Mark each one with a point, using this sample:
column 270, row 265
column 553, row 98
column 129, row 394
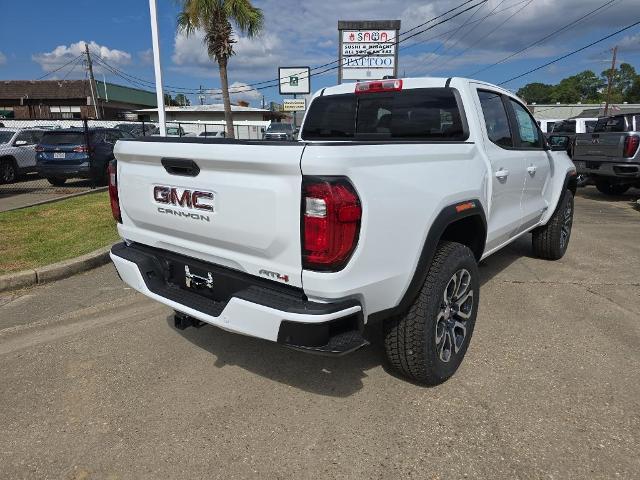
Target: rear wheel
column 552, row 240
column 57, row 181
column 608, row 188
column 428, row 343
column 8, row 171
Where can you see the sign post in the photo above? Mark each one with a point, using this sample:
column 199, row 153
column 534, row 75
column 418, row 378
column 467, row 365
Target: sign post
column 294, row 81
column 368, row 50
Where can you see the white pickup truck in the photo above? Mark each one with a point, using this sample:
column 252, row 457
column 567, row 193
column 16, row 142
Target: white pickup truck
column 379, row 212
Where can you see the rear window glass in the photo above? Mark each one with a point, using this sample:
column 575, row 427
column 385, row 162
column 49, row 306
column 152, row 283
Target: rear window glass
column 566, row 126
column 63, row 138
column 611, row 124
column 416, row 114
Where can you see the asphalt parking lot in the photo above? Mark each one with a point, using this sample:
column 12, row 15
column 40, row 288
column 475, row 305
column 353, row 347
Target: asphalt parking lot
column 96, row 383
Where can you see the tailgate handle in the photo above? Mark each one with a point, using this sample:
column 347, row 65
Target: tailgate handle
column 181, row 166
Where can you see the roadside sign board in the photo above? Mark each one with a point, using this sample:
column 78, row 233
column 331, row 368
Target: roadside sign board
column 368, row 49
column 294, row 80
column 295, row 105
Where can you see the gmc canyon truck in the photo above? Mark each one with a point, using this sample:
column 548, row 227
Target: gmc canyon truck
column 380, row 212
column 609, row 155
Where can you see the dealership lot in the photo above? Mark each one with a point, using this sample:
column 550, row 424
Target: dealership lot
column 98, row 384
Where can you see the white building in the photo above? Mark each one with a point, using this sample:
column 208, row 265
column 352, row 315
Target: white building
column 248, row 122
column 571, row 110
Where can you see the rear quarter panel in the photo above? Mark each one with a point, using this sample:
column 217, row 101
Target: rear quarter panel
column 402, row 187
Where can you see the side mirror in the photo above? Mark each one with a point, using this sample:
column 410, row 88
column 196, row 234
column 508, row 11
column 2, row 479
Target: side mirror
column 558, row 143
column 20, row 143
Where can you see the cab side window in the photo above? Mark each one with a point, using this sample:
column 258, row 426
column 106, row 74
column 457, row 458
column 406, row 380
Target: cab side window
column 527, row 132
column 495, row 118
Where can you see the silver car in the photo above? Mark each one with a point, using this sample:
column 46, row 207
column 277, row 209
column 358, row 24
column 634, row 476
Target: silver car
column 17, row 152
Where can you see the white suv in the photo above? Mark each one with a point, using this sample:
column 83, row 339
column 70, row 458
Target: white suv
column 380, row 213
column 17, row 152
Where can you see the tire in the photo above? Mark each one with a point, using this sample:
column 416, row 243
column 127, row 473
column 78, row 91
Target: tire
column 552, row 240
column 8, row 171
column 428, row 343
column 611, row 188
column 56, row 181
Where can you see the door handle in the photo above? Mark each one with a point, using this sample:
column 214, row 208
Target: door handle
column 532, row 169
column 502, row 174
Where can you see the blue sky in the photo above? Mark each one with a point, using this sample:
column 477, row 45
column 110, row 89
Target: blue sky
column 44, row 35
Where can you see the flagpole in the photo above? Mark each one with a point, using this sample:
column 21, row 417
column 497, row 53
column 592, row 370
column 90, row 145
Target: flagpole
column 153, row 11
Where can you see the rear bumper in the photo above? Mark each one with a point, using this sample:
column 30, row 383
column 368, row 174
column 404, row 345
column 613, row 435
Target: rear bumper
column 285, row 317
column 620, row 169
column 79, row 170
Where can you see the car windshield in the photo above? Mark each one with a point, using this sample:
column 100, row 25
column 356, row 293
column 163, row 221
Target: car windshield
column 279, row 127
column 5, row 136
column 611, row 124
column 63, row 138
column 566, row 126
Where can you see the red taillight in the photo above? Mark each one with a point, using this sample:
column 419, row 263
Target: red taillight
column 631, row 144
column 39, row 148
column 113, row 191
column 331, row 214
column 379, row 86
column 81, row 149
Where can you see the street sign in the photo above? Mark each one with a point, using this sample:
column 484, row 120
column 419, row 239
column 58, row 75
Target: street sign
column 368, row 49
column 295, row 105
column 294, row 80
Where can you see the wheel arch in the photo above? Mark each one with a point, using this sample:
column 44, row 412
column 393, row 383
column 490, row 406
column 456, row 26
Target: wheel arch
column 463, row 222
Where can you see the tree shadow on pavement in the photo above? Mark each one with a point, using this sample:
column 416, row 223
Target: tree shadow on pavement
column 329, row 376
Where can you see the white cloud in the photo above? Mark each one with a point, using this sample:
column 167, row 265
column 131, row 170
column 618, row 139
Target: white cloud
column 62, row 54
column 630, row 43
column 304, row 33
column 146, row 56
column 3, row 58
column 244, row 92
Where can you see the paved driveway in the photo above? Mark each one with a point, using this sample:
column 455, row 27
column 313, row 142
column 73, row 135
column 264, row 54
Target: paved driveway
column 96, row 383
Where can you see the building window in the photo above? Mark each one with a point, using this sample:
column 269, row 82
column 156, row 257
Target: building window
column 65, row 112
column 6, row 112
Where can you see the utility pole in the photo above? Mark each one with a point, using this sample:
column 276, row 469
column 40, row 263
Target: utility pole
column 610, row 80
column 92, row 81
column 157, row 68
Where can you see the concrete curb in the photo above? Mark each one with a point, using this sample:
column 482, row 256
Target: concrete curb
column 55, row 271
column 57, row 199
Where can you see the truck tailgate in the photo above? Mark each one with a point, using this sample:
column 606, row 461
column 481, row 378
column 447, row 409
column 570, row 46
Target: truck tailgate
column 244, row 214
column 599, row 146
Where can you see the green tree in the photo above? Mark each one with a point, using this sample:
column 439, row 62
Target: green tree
column 536, row 92
column 215, row 18
column 181, row 99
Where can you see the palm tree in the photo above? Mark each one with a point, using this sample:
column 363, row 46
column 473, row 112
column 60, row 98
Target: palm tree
column 214, row 18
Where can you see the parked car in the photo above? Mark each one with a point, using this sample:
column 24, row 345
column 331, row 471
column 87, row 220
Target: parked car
column 74, row 153
column 17, row 152
column 218, row 134
column 279, row 131
column 138, row 129
column 609, row 155
column 575, row 125
column 379, row 214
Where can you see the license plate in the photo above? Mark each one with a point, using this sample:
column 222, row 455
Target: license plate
column 59, row 155
column 580, row 165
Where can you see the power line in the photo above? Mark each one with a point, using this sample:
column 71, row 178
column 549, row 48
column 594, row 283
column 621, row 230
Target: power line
column 443, row 44
column 572, row 53
column 493, row 30
column 546, row 37
column 60, row 68
column 248, row 87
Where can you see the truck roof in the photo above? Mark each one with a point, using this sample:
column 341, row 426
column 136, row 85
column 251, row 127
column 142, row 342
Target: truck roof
column 414, row 82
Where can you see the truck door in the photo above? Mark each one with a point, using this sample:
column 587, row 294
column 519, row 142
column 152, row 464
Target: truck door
column 507, row 169
column 535, row 160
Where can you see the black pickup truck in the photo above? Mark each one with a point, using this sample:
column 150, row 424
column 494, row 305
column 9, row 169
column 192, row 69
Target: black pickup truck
column 610, row 154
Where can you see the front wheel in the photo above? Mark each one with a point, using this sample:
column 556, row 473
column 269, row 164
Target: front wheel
column 552, row 240
column 428, row 343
